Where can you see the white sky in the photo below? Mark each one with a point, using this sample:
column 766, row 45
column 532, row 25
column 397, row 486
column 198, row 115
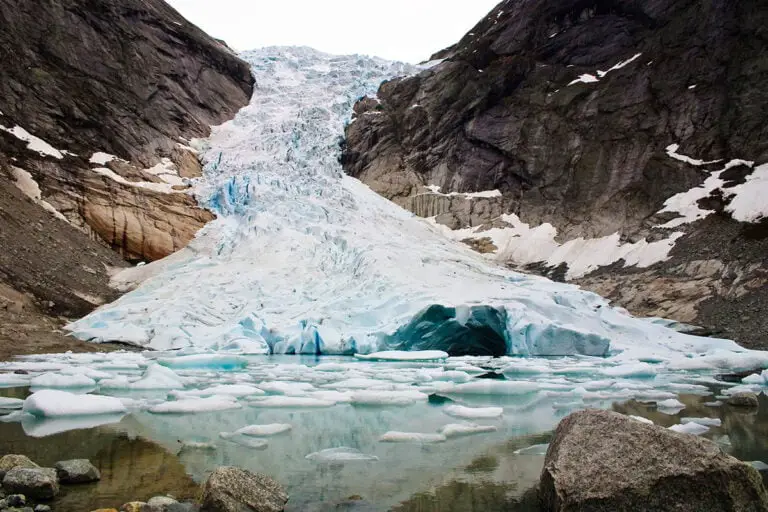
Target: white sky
column 407, row 30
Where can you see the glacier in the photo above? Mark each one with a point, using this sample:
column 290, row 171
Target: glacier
column 303, row 259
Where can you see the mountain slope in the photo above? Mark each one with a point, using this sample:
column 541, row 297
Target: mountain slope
column 577, row 121
column 98, row 103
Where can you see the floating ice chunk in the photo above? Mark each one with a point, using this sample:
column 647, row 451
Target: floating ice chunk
column 11, row 403
column 340, row 397
column 286, row 388
column 459, row 411
column 248, row 442
column 517, row 370
column 195, row 405
column 50, row 403
column 42, row 427
column 333, row 367
column 405, row 397
column 642, row 420
column 637, row 370
column 755, row 378
column 197, row 445
column 11, row 380
column 536, row 449
column 260, row 430
column 670, row 406
column 205, row 361
column 689, row 428
column 158, row 377
column 291, row 402
column 709, row 422
column 361, row 383
column 465, row 429
column 496, row 387
column 411, row 437
column 57, row 380
column 399, row 355
column 340, row 454
column 233, row 390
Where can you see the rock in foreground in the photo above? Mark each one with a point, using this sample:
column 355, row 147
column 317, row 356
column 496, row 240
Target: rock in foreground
column 230, row 489
column 8, row 462
column 601, row 461
column 39, row 483
column 77, row 471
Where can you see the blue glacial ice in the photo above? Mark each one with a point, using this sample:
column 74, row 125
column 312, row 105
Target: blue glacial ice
column 305, row 260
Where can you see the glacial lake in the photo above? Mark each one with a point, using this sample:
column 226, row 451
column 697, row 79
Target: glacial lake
column 333, row 456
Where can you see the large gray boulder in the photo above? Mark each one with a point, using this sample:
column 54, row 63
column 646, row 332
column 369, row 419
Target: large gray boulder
column 744, row 399
column 38, row 483
column 604, row 461
column 231, row 489
column 77, row 471
column 10, row 461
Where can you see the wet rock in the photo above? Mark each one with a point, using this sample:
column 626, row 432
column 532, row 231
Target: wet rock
column 8, row 462
column 601, row 460
column 104, row 510
column 231, row 489
column 39, row 483
column 182, row 507
column 159, row 504
column 16, row 500
column 133, row 506
column 744, row 400
column 76, row 471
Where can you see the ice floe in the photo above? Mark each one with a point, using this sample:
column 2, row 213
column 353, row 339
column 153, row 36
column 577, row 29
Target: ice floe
column 50, row 403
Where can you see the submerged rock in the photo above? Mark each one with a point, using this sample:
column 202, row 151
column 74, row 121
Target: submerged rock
column 601, row 460
column 40, row 483
column 77, row 471
column 231, row 489
column 159, row 504
column 8, row 462
column 744, row 400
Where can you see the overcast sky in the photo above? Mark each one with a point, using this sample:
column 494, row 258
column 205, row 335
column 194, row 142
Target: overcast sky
column 407, row 30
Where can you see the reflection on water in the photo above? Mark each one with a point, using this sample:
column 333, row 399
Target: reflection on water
column 471, row 474
column 131, row 468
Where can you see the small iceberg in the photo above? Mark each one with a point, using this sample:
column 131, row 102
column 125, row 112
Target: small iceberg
column 401, row 355
column 394, row 436
column 259, row 430
column 536, row 449
column 465, row 429
column 340, row 454
column 291, row 402
column 60, row 381
column 459, row 411
column 195, row 405
column 51, row 403
column 689, row 428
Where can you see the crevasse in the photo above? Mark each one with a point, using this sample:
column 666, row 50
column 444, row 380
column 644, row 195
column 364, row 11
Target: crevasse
column 303, row 259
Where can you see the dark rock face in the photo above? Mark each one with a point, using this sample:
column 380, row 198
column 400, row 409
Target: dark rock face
column 131, row 79
column 231, row 489
column 600, row 461
column 506, row 111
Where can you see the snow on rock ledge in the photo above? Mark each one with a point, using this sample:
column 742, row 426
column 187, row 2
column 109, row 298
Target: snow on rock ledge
column 303, row 259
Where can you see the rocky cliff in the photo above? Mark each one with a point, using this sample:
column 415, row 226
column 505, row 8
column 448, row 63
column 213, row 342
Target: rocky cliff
column 99, row 102
column 614, row 143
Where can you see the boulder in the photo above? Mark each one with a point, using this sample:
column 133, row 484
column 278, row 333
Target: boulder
column 159, row 504
column 8, row 462
column 16, row 500
column 133, row 506
column 602, row 461
column 42, row 508
column 39, row 483
column 231, row 489
column 76, row 471
column 744, row 400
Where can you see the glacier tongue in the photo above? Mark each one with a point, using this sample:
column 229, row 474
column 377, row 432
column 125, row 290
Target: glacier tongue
column 303, row 259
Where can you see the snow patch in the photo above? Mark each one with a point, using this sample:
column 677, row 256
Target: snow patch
column 588, row 78
column 34, row 143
